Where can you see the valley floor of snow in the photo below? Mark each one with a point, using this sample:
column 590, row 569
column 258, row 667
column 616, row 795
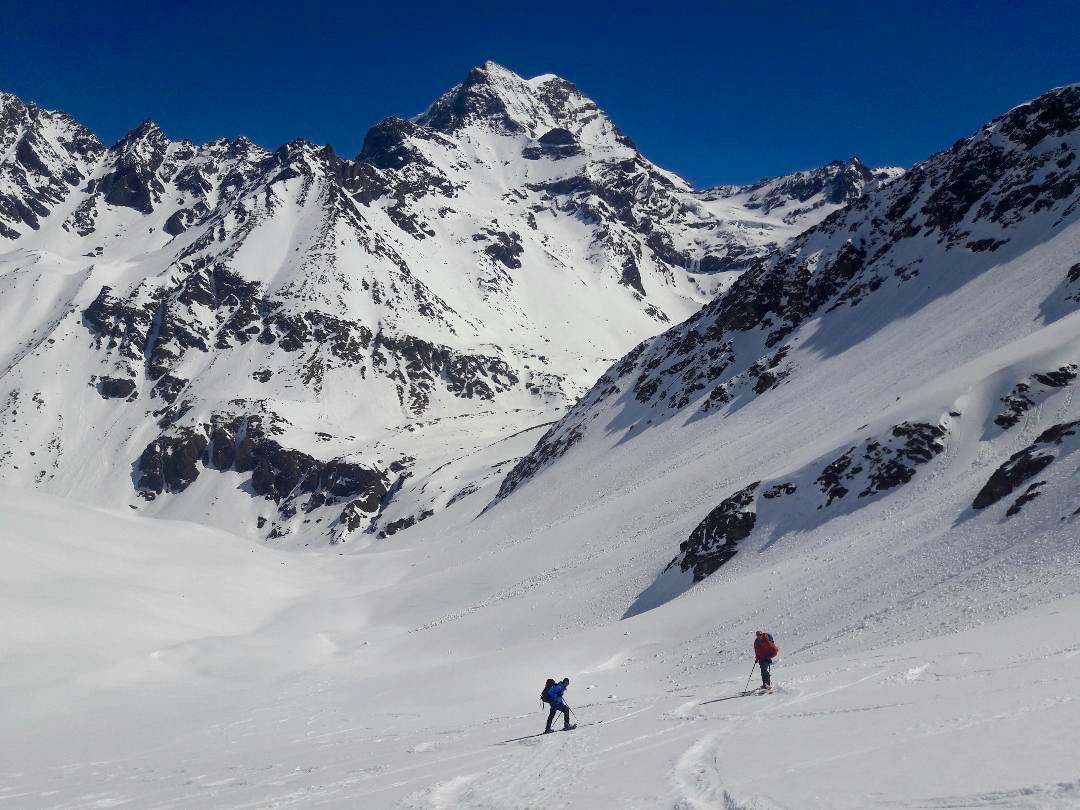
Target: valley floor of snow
column 159, row 664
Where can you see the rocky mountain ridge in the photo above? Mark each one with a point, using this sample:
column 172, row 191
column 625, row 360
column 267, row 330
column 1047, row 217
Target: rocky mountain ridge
column 224, row 308
column 796, row 196
column 985, row 213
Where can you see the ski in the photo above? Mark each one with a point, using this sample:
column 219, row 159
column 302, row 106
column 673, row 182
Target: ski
column 747, row 693
column 544, row 733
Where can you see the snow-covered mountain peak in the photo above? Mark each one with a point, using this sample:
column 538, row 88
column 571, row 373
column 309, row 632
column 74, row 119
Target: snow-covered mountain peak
column 8, row 103
column 350, row 337
column 147, row 131
column 494, row 97
column 44, row 155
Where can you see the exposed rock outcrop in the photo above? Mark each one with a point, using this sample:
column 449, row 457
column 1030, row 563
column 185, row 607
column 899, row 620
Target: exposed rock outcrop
column 1024, row 465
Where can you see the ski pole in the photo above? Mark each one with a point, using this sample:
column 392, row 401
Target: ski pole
column 747, row 687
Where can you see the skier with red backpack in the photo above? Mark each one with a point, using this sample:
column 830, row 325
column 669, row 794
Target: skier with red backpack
column 765, row 650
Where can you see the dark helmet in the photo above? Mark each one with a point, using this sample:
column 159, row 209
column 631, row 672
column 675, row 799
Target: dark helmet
column 566, row 681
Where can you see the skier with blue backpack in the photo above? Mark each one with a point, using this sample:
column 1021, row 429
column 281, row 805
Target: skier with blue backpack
column 553, row 696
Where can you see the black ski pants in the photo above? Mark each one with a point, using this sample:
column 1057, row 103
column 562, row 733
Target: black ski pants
column 766, row 675
column 555, row 709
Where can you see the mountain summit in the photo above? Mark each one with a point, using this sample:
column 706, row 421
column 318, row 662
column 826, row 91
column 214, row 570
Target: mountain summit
column 495, row 98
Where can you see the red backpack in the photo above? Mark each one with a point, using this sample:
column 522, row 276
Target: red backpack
column 770, row 648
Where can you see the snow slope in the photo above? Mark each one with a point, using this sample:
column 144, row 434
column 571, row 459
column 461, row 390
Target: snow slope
column 405, row 678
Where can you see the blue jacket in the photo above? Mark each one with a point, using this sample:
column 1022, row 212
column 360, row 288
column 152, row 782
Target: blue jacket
column 556, row 693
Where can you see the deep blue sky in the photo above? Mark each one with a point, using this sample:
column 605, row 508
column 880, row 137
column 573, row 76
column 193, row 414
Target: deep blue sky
column 717, row 91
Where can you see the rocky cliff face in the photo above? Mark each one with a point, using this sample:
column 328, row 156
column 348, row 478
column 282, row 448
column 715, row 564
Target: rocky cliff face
column 480, row 263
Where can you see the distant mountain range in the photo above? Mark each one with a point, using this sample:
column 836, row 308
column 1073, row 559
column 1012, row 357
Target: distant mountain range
column 347, row 340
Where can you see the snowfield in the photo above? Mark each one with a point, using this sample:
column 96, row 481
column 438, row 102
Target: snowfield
column 155, row 664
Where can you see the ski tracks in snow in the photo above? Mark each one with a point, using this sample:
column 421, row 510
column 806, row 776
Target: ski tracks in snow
column 549, row 771
column 697, row 776
column 692, row 741
column 544, row 775
column 698, row 782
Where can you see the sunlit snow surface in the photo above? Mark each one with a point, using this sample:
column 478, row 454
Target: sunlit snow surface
column 150, row 664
